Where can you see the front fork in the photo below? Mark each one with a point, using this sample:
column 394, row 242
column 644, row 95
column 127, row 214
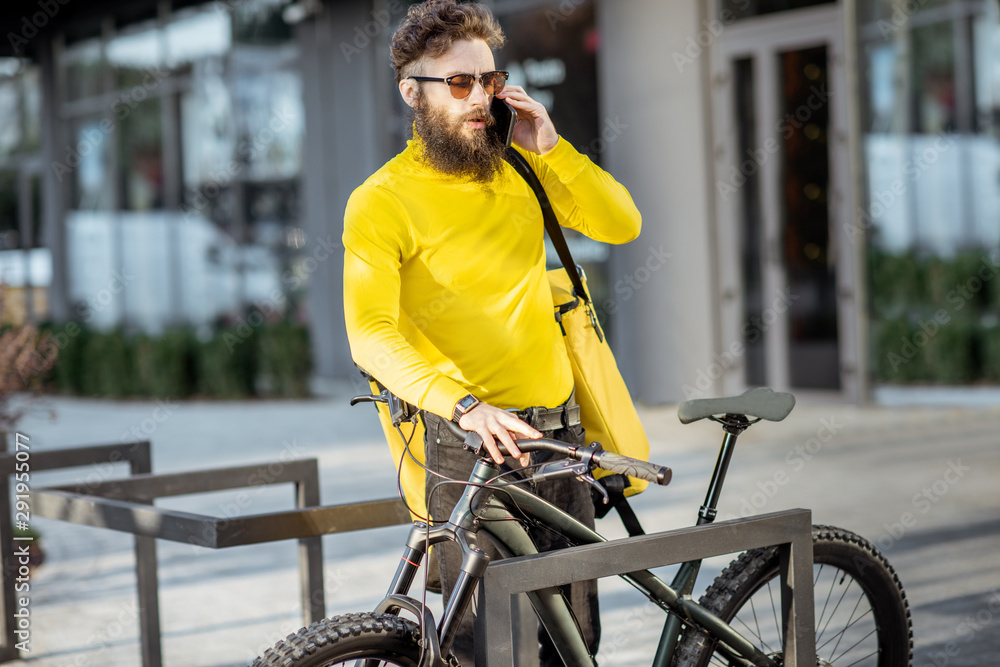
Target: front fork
column 474, row 561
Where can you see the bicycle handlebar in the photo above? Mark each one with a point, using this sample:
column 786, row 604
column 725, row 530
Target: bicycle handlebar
column 615, row 463
column 626, row 465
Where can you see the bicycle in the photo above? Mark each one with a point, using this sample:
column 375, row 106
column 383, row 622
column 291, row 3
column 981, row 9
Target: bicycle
column 862, row 615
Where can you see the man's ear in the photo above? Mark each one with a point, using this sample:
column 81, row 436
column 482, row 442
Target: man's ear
column 408, row 91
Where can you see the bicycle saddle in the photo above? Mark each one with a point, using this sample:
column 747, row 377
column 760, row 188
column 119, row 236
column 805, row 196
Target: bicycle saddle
column 758, row 402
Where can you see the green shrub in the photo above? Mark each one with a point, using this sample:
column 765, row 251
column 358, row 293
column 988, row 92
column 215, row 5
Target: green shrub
column 272, row 359
column 107, row 365
column 896, row 359
column 990, row 346
column 165, row 366
column 71, row 339
column 955, row 282
column 951, row 353
column 285, row 361
column 226, row 366
column 898, row 283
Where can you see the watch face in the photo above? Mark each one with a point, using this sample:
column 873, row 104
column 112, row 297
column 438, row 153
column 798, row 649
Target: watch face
column 464, row 405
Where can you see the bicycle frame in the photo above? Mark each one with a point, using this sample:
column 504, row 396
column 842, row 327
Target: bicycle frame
column 485, row 507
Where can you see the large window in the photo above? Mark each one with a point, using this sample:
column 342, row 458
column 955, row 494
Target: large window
column 25, row 264
column 930, row 102
column 183, row 161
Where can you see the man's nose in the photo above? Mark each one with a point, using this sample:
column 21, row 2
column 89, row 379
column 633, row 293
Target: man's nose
column 478, row 94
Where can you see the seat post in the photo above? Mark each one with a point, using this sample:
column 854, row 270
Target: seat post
column 733, row 425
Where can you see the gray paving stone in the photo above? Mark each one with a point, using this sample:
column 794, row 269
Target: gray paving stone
column 871, row 470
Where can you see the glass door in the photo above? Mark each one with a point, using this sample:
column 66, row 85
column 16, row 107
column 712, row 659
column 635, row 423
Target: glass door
column 782, row 187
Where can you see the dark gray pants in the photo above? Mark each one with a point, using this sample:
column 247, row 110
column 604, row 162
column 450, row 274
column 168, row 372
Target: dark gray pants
column 445, row 455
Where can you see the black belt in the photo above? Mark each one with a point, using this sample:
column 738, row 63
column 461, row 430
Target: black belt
column 552, row 419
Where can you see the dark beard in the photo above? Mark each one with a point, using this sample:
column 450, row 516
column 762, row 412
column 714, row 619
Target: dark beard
column 445, row 148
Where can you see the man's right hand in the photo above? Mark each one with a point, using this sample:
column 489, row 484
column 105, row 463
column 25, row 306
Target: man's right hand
column 491, row 422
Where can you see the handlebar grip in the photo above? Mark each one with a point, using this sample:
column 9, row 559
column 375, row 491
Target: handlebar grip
column 471, row 438
column 626, row 465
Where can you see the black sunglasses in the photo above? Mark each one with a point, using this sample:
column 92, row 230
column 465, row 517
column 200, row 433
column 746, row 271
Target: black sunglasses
column 461, row 84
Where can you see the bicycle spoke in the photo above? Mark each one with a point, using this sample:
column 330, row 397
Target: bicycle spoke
column 756, row 621
column 837, row 606
column 826, row 604
column 874, row 630
column 844, row 630
column 875, row 652
column 774, row 611
column 850, row 622
column 757, row 634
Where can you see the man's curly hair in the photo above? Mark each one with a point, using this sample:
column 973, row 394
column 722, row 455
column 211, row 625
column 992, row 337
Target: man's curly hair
column 431, row 27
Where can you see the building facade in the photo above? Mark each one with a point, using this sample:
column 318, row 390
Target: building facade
column 818, row 179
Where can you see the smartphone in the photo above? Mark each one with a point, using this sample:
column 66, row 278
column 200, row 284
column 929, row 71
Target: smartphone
column 504, row 116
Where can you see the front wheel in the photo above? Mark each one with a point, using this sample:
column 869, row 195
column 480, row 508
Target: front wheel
column 377, row 639
column 862, row 617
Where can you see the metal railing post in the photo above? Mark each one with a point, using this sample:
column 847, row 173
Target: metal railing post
column 310, row 552
column 147, row 581
column 791, row 530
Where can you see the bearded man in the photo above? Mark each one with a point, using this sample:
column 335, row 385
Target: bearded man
column 445, row 292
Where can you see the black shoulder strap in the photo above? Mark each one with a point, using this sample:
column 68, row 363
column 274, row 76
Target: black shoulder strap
column 551, row 224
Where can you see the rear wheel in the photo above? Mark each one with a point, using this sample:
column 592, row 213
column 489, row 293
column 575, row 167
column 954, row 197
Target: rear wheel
column 376, row 639
column 862, row 617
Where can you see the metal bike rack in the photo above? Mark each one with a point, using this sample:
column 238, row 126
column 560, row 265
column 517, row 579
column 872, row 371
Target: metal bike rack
column 790, row 530
column 135, row 454
column 126, row 505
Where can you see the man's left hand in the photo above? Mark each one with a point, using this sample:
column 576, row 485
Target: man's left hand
column 534, row 130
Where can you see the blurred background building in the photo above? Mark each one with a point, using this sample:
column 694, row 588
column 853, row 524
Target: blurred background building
column 819, row 180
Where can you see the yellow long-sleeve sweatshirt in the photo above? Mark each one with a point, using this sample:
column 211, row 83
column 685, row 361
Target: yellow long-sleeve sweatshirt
column 445, row 292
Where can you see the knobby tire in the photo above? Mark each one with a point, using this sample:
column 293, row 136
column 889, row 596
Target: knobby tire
column 862, row 617
column 382, row 639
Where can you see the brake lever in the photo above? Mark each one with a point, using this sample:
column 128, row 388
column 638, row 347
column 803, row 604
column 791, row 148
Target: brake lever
column 567, row 468
column 564, row 468
column 590, row 479
column 367, row 399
